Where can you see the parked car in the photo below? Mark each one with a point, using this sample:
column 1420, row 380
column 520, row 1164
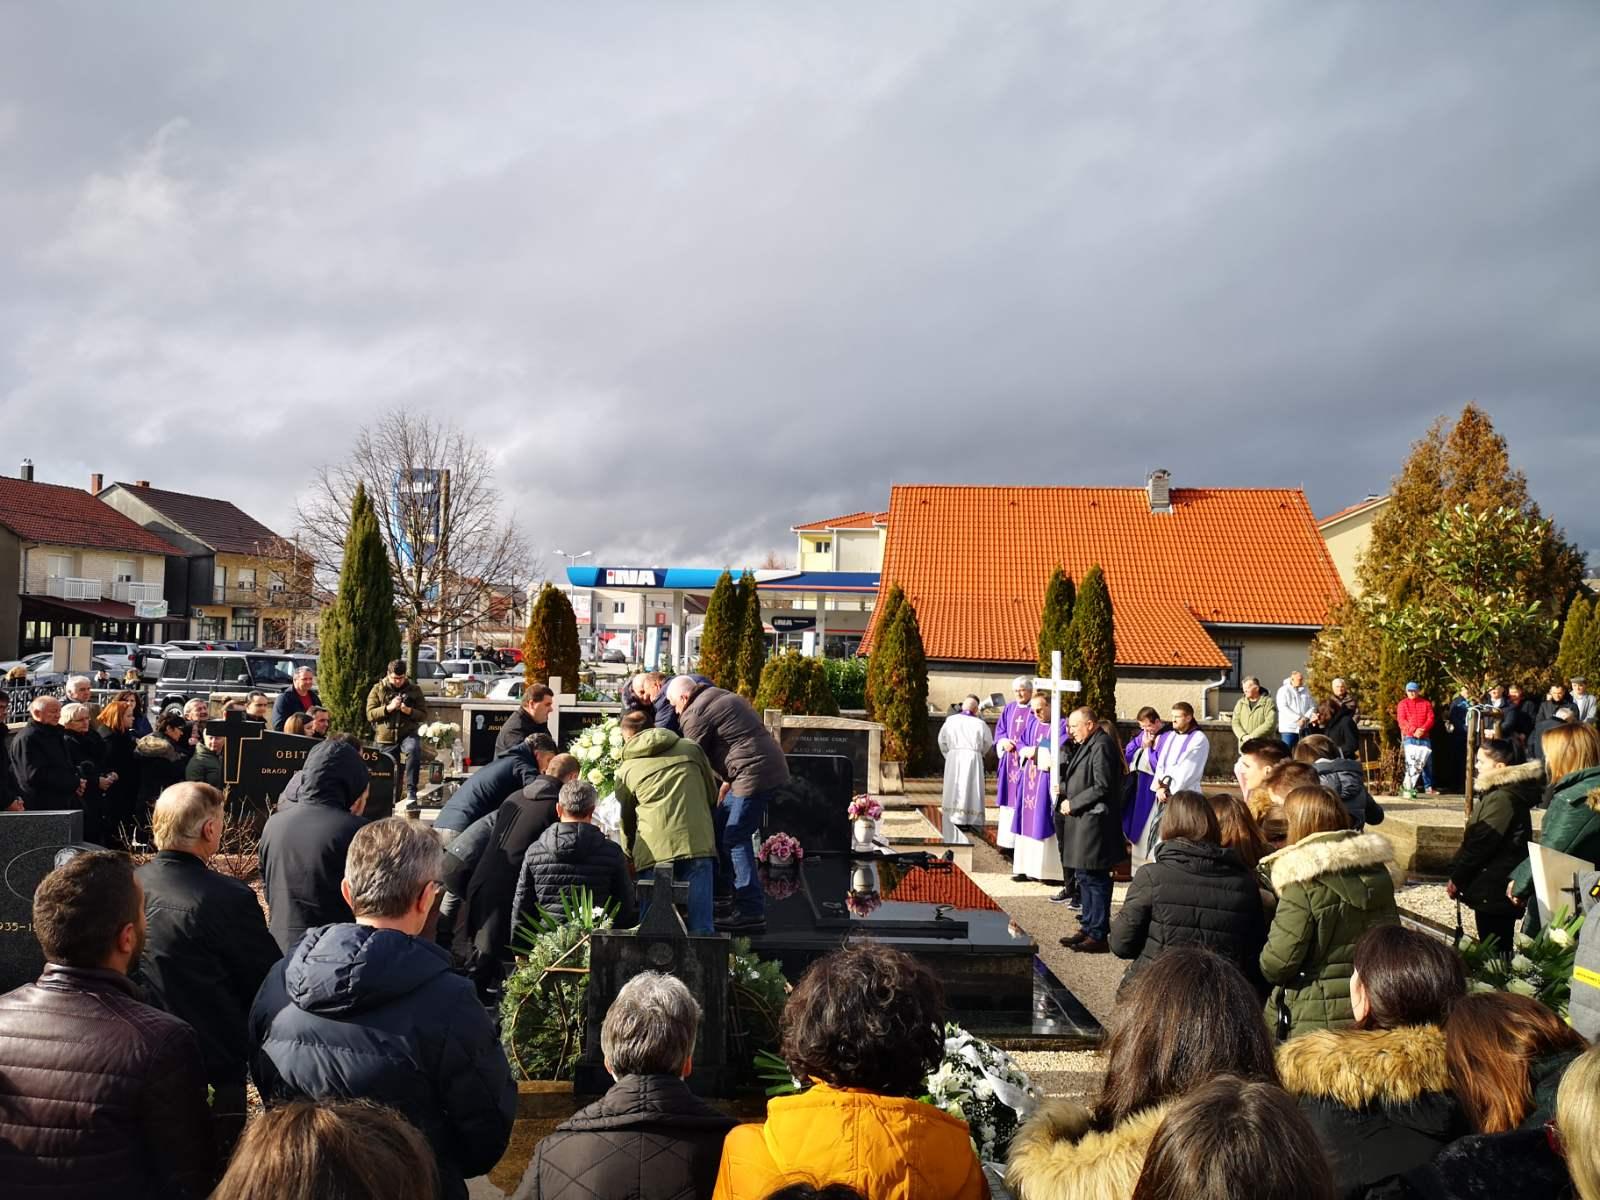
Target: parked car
column 214, row 673
column 430, row 677
column 118, row 654
column 149, row 659
column 189, row 645
column 507, row 687
column 41, row 672
column 468, row 676
column 614, row 656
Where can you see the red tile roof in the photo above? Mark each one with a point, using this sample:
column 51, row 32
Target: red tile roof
column 68, row 516
column 218, row 523
column 855, row 520
column 974, row 561
column 1369, row 502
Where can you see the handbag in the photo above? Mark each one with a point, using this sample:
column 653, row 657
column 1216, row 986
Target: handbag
column 1285, row 1018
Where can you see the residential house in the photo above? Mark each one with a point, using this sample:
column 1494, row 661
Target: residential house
column 1347, row 533
column 70, row 566
column 236, row 579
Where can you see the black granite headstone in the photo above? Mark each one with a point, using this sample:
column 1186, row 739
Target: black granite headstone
column 849, row 743
column 814, row 805
column 257, row 764
column 28, row 845
column 483, row 724
column 660, row 943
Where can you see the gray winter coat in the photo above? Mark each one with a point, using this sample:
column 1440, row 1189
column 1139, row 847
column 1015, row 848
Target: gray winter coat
column 742, row 751
column 1343, row 777
column 1584, row 1007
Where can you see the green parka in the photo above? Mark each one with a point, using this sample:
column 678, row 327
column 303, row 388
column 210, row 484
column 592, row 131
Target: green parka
column 1257, row 718
column 1496, row 837
column 1571, row 825
column 1332, row 888
column 667, row 793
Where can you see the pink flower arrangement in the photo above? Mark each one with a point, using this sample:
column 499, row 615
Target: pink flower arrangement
column 862, row 904
column 865, row 806
column 780, row 850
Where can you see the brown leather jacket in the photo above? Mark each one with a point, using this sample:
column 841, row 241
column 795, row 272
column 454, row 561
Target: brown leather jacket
column 102, row 1096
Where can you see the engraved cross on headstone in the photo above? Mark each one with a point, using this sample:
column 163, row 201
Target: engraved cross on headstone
column 665, row 894
column 238, row 729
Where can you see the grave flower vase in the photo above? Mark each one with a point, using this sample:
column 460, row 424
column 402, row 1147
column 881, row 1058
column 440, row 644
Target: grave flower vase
column 865, row 830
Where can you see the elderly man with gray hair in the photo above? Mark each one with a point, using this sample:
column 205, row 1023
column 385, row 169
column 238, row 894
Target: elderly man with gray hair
column 372, row 1011
column 649, row 1135
column 573, row 855
column 42, row 762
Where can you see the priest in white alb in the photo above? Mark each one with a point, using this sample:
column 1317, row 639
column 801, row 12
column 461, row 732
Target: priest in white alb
column 1180, row 765
column 964, row 739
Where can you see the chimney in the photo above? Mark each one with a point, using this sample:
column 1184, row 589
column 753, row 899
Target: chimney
column 27, row 470
column 94, row 483
column 1159, row 491
column 144, row 483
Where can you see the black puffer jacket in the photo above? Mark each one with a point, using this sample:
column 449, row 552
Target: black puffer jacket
column 741, row 750
column 1494, row 1166
column 206, row 952
column 1496, row 838
column 100, row 1095
column 374, row 1014
column 648, row 1138
column 484, row 939
column 303, row 845
column 1193, row 894
column 162, row 763
column 1379, row 1099
column 1343, row 777
column 571, row 855
column 488, row 789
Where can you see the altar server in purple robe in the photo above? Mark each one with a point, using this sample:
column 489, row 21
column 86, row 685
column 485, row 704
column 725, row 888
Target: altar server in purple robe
column 1142, row 752
column 1037, row 854
column 1180, row 766
column 1009, row 739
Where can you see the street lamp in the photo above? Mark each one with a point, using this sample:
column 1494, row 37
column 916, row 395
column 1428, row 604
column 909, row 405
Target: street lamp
column 572, row 559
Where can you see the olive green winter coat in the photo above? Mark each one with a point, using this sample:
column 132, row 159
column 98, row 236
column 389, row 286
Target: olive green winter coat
column 1572, row 824
column 668, row 795
column 1332, row 888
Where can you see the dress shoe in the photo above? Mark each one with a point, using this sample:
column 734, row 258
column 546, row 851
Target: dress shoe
column 1019, row 879
column 1090, row 945
column 1071, row 943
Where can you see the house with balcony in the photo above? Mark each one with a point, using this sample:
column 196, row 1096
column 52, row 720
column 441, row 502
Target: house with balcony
column 234, row 579
column 70, row 566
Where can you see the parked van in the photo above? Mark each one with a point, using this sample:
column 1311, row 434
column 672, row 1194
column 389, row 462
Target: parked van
column 219, row 675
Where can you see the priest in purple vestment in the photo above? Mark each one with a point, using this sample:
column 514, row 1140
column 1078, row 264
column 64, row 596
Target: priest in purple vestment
column 1143, row 749
column 1009, row 738
column 1037, row 855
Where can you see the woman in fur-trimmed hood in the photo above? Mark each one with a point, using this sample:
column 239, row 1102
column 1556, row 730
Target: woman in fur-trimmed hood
column 1379, row 1095
column 1333, row 885
column 1185, row 1018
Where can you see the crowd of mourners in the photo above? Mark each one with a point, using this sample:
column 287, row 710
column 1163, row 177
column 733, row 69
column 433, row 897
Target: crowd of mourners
column 1279, row 1033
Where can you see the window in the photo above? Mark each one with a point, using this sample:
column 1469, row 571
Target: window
column 618, row 606
column 244, row 578
column 1235, row 657
column 175, row 668
column 211, row 629
column 244, row 627
column 123, row 570
column 273, row 670
column 234, row 670
column 60, row 565
column 206, row 670
column 822, row 546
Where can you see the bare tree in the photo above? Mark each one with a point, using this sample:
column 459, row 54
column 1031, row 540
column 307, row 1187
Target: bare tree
column 439, row 514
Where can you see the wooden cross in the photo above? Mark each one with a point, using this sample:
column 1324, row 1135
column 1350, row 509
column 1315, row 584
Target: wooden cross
column 1057, row 685
column 238, row 729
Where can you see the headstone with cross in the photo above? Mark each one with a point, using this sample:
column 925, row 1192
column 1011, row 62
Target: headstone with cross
column 238, row 729
column 660, row 943
column 558, row 702
column 1057, row 685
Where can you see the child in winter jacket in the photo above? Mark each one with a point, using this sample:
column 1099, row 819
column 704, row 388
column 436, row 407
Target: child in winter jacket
column 1343, row 777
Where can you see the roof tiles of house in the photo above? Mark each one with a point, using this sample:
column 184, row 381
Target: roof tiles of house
column 55, row 515
column 975, row 560
column 218, row 523
column 856, row 520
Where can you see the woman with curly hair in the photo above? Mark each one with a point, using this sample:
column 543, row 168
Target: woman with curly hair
column 863, row 1026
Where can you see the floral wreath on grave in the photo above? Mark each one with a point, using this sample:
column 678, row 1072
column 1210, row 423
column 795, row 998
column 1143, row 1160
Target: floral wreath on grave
column 440, row 734
column 864, row 807
column 543, row 1007
column 780, row 850
column 1540, row 965
column 975, row 1082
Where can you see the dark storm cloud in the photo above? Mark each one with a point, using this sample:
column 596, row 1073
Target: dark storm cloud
column 697, row 272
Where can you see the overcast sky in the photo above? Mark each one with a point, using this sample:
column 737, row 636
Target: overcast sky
column 696, row 272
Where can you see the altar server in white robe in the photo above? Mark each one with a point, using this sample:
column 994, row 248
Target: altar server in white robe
column 964, row 739
column 1179, row 767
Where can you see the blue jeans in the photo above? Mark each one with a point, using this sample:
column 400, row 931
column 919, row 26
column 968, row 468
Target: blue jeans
column 1289, row 739
column 1426, row 780
column 738, row 820
column 696, row 872
column 408, row 748
column 1094, row 889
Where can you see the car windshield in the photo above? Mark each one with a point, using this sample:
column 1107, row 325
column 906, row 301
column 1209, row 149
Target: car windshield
column 273, row 670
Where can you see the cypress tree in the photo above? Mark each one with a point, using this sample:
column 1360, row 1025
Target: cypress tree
column 1055, row 625
column 550, row 643
column 903, row 689
column 719, row 635
column 882, row 620
column 752, row 638
column 796, row 684
column 1576, row 640
column 1094, row 638
column 360, row 636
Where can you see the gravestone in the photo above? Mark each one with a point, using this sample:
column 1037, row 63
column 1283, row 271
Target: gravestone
column 814, row 805
column 660, row 943
column 859, row 741
column 482, row 722
column 29, row 842
column 257, row 763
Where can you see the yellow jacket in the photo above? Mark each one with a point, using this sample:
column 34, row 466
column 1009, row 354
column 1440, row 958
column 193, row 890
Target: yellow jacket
column 885, row 1147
